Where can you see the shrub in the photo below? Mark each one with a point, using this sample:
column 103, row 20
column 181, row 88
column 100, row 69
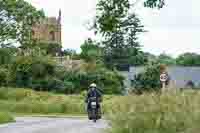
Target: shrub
column 149, row 79
column 32, row 71
column 3, row 76
column 110, row 82
column 6, row 56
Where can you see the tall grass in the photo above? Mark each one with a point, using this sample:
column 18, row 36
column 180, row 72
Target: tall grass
column 173, row 112
column 5, row 118
column 25, row 101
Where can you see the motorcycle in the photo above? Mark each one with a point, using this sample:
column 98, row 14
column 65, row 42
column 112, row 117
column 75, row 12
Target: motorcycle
column 94, row 113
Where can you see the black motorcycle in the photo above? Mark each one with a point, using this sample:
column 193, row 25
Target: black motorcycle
column 95, row 112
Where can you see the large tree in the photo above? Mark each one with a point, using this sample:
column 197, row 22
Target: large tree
column 110, row 13
column 16, row 20
column 119, row 28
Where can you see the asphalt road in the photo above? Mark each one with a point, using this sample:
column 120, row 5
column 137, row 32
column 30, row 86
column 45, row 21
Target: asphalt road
column 53, row 125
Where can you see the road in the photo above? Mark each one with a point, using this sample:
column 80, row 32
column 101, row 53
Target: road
column 53, row 125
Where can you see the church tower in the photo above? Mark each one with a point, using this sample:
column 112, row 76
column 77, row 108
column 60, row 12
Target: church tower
column 48, row 30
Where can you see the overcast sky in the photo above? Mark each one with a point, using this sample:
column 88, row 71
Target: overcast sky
column 174, row 29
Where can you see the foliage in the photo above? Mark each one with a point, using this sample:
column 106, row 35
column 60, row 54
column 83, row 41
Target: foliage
column 188, row 59
column 110, row 82
column 139, row 59
column 109, row 15
column 35, row 70
column 90, row 51
column 119, row 29
column 69, row 52
column 149, row 79
column 29, row 71
column 5, row 118
column 154, row 3
column 16, row 20
column 50, row 48
column 6, row 55
column 166, row 59
column 173, row 112
column 3, row 76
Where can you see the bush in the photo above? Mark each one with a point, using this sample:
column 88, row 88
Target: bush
column 110, row 82
column 3, row 76
column 5, row 118
column 149, row 79
column 32, row 71
column 6, row 56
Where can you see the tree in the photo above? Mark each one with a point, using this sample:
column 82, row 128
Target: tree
column 16, row 20
column 120, row 42
column 166, row 59
column 110, row 13
column 188, row 59
column 69, row 52
column 150, row 57
column 139, row 59
column 90, row 51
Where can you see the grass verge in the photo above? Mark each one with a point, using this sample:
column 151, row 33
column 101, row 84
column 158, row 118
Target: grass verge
column 175, row 112
column 28, row 102
column 5, row 118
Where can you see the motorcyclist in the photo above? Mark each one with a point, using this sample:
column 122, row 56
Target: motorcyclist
column 93, row 92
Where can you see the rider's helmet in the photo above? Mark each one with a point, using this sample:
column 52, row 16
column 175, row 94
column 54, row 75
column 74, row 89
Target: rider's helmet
column 93, row 85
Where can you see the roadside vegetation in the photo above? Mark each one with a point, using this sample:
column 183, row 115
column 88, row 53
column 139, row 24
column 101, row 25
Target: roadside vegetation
column 5, row 118
column 29, row 102
column 172, row 112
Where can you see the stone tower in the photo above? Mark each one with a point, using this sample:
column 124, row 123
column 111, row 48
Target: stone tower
column 48, row 30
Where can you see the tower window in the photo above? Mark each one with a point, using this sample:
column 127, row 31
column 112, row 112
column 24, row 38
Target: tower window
column 52, row 36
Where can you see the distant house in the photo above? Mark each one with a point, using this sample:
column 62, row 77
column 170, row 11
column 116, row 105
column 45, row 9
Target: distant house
column 181, row 77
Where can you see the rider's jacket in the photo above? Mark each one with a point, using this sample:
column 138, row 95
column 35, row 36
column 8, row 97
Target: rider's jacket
column 94, row 92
